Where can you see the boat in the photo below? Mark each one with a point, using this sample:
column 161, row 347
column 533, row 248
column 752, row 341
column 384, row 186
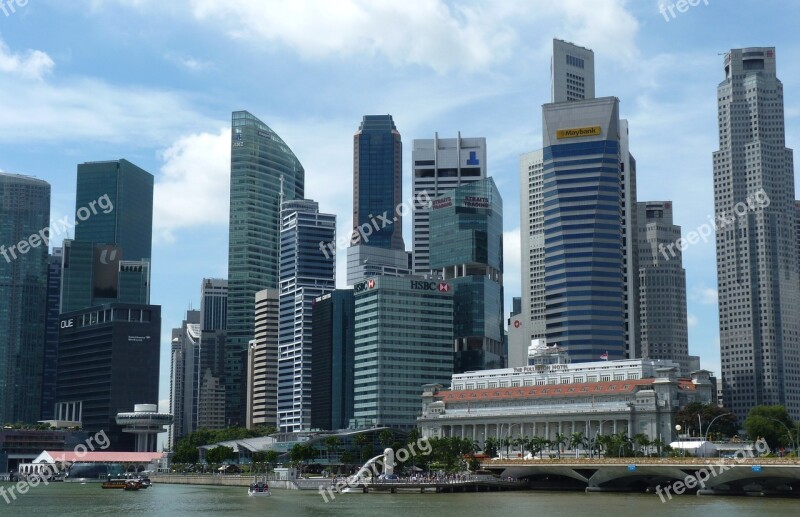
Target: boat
column 259, row 489
column 132, row 484
column 145, row 482
column 114, row 484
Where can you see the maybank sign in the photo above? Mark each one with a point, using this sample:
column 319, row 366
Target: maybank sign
column 578, row 132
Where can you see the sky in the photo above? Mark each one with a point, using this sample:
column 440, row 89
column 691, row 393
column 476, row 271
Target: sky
column 155, row 82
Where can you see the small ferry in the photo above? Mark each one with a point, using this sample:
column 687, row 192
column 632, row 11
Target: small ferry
column 132, row 485
column 258, row 489
column 114, row 484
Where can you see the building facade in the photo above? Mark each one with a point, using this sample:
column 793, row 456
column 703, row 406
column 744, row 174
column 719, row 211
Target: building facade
column 213, row 303
column 440, row 165
column 306, row 274
column 24, row 220
column 108, row 361
column 756, row 240
column 571, row 72
column 532, row 316
column 378, row 182
column 263, row 170
column 262, row 363
column 109, row 259
column 403, row 340
column 554, row 397
column 332, row 370
column 662, row 287
column 184, row 378
column 582, row 207
column 466, row 248
column 50, row 365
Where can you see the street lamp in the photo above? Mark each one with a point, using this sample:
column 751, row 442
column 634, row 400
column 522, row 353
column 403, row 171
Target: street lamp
column 678, row 432
column 705, row 437
column 508, row 431
column 594, row 440
column 788, row 431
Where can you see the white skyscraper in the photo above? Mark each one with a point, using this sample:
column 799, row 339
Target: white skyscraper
column 440, row 165
column 571, row 72
column 531, row 168
column 757, row 262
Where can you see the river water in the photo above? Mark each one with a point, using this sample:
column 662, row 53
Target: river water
column 68, row 499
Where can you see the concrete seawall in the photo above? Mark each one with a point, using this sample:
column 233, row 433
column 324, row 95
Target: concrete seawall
column 218, row 481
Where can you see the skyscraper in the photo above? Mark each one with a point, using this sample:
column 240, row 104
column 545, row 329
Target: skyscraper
column 24, row 219
column 571, row 72
column 262, row 363
column 757, row 262
column 532, row 317
column 109, row 259
column 466, row 247
column 630, row 254
column 211, row 372
column 440, row 165
column 261, row 166
column 306, row 273
column 50, row 367
column 582, row 193
column 184, row 378
column 213, row 303
column 378, row 180
column 333, row 343
column 662, row 286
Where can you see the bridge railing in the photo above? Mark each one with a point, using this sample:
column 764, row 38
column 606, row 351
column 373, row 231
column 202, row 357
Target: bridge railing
column 643, row 461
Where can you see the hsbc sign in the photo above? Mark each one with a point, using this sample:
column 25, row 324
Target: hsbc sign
column 421, row 285
column 363, row 286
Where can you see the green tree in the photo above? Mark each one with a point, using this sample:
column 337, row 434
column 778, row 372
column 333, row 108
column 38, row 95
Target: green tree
column 490, row 446
column 561, row 440
column 386, row 437
column 220, row 454
column 332, row 444
column 695, row 418
column 521, row 442
column 576, row 441
column 770, row 423
column 539, row 443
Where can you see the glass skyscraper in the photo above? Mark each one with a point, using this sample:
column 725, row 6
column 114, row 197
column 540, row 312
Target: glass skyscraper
column 466, row 247
column 24, row 218
column 306, row 274
column 51, row 335
column 262, row 166
column 583, row 211
column 109, row 259
column 378, row 181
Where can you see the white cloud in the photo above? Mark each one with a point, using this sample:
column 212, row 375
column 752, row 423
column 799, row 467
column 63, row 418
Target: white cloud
column 190, row 63
column 691, row 320
column 705, row 295
column 193, row 187
column 35, row 64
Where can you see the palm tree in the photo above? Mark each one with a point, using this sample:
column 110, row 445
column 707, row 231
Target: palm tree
column 539, row 443
column 576, row 441
column 658, row 444
column 332, row 444
column 521, row 441
column 642, row 441
column 506, row 442
column 490, row 446
column 604, row 441
column 561, row 439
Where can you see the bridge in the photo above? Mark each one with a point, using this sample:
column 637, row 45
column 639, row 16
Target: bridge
column 441, row 486
column 673, row 476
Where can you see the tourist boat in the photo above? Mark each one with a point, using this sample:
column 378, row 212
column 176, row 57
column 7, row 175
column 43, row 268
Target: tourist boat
column 259, row 489
column 114, row 483
column 132, row 484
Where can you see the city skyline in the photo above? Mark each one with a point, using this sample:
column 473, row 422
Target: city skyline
column 182, row 150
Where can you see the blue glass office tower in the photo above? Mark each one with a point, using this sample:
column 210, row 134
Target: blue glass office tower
column 582, row 228
column 306, row 274
column 109, row 259
column 333, row 343
column 259, row 161
column 378, row 182
column 50, row 370
column 466, row 247
column 24, row 218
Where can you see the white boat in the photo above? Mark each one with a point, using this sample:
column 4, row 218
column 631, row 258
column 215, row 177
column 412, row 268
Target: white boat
column 259, row 489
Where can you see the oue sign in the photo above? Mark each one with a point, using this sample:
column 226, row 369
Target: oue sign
column 67, row 324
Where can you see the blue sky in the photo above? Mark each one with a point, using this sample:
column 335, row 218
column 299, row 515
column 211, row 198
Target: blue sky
column 155, row 81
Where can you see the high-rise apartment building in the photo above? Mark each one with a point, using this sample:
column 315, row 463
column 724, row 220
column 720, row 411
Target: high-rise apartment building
column 466, row 248
column 262, row 363
column 333, row 342
column 262, row 166
column 662, row 286
column 108, row 261
column 306, row 274
column 24, row 219
column 440, row 165
column 757, row 257
column 571, row 73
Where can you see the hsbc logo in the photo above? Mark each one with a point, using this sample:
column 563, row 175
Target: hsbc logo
column 444, row 287
column 370, row 284
column 363, row 286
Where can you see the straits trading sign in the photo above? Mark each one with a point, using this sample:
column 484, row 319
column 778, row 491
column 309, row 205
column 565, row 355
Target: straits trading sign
column 579, row 132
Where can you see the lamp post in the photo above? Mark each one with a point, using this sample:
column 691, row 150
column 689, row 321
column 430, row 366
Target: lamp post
column 594, row 440
column 508, row 431
column 788, row 431
column 705, row 437
column 678, row 432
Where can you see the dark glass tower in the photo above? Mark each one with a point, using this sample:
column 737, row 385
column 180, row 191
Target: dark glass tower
column 24, row 218
column 49, row 383
column 259, row 161
column 466, row 247
column 378, row 181
column 109, row 259
column 332, row 374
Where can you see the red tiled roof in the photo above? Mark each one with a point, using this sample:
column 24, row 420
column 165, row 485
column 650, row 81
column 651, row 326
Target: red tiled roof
column 105, row 456
column 554, row 390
